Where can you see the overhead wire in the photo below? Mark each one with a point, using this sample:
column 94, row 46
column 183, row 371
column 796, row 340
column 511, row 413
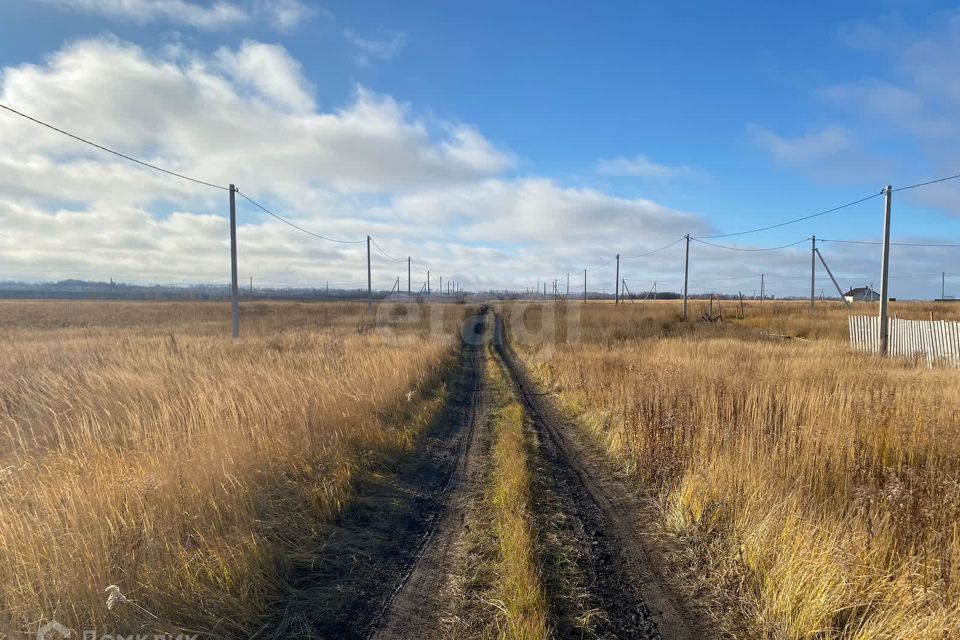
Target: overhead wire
column 109, row 150
column 650, row 253
column 294, row 225
column 720, row 246
column 892, row 244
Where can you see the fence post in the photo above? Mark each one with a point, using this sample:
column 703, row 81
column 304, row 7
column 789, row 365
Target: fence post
column 885, row 272
column 234, row 287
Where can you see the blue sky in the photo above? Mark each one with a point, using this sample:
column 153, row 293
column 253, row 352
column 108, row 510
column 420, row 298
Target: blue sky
column 608, row 128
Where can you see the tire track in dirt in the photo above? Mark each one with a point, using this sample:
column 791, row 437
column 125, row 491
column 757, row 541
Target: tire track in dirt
column 626, row 581
column 378, row 570
column 421, row 599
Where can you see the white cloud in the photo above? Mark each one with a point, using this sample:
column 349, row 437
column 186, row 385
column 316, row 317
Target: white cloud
column 270, row 71
column 641, row 166
column 385, row 47
column 285, row 15
column 218, row 15
column 810, row 147
column 282, row 15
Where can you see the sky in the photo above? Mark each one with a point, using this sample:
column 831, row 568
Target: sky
column 499, row 144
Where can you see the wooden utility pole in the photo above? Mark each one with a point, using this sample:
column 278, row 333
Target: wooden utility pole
column 369, row 279
column 686, row 274
column 885, row 272
column 813, row 269
column 234, row 287
column 616, row 290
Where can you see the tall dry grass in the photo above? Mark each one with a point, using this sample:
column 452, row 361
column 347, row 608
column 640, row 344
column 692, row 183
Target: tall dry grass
column 140, row 447
column 819, row 490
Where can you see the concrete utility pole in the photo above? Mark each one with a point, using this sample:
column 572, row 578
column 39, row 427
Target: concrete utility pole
column 234, row 288
column 686, row 279
column 761, row 288
column 616, row 290
column 568, row 284
column 813, row 268
column 885, row 272
column 584, row 285
column 369, row 279
column 409, row 289
column 441, row 286
column 251, row 286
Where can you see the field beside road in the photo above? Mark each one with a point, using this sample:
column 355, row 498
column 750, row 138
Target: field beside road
column 141, row 447
column 816, row 492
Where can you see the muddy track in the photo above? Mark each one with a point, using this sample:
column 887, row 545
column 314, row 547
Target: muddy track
column 418, row 605
column 626, row 582
column 378, row 570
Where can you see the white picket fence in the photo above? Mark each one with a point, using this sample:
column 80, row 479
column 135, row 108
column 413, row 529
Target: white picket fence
column 936, row 340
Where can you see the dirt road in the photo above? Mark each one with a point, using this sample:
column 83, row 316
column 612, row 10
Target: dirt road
column 626, row 583
column 385, row 569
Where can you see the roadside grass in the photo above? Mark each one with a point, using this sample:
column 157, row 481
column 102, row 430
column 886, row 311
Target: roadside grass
column 141, row 447
column 816, row 491
column 519, row 590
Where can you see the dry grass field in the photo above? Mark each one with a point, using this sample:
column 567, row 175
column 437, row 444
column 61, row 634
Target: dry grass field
column 141, row 447
column 817, row 491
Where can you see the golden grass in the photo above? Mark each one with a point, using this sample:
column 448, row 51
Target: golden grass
column 819, row 490
column 141, row 447
column 519, row 589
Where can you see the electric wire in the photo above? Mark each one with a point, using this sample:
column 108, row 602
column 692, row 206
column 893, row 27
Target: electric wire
column 720, row 246
column 892, row 244
column 109, row 150
column 793, row 221
column 650, row 253
column 295, row 226
column 928, row 182
column 384, row 253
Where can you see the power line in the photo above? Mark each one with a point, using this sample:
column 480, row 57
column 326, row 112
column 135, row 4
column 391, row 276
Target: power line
column 893, row 244
column 795, row 220
column 923, row 184
column 720, row 246
column 384, row 253
column 602, row 265
column 295, row 226
column 650, row 253
column 116, row 153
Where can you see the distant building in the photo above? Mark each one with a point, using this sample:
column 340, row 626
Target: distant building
column 862, row 294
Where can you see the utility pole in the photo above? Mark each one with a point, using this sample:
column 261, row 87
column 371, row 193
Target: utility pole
column 686, row 273
column 428, row 284
column 885, row 272
column 584, row 285
column 234, row 288
column 441, row 286
column 813, row 268
column 409, row 291
column 834, row 280
column 761, row 288
column 568, row 284
column 616, row 290
column 251, row 286
column 369, row 279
